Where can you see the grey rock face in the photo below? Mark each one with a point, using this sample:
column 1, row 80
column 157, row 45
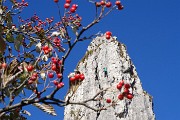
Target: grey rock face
column 110, row 54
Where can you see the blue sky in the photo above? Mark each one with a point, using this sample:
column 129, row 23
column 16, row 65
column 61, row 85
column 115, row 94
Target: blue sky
column 151, row 31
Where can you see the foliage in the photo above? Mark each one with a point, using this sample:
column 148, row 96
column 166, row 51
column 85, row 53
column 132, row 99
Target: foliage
column 30, row 55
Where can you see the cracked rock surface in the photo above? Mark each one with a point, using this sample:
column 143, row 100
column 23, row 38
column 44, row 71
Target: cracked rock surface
column 112, row 55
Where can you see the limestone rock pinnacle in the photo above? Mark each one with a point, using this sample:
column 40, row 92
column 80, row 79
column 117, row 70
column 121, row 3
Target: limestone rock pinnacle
column 111, row 55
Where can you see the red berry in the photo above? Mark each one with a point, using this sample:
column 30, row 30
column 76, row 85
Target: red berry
column 30, row 81
column 4, row 65
column 121, row 97
column 75, row 6
column 45, row 47
column 59, row 75
column 50, row 75
column 49, row 49
column 127, row 86
column 120, row 7
column 68, row 1
column 55, row 82
column 26, row 4
column 81, row 77
column 59, row 62
column 35, row 74
column 98, row 4
column 126, row 91
column 33, row 78
column 30, row 67
column 77, row 76
column 57, row 67
column 60, row 85
column 109, row 33
column 53, row 67
column 73, row 9
column 108, row 100
column 58, row 45
column 121, row 82
column 108, row 4
column 129, row 96
column 72, row 79
column 54, row 60
column 102, row 2
column 66, row 5
column 46, row 51
column 56, row 1
column 119, row 86
column 118, row 3
column 108, row 37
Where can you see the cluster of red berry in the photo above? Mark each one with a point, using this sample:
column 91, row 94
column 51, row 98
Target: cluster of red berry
column 103, row 3
column 119, row 5
column 56, row 64
column 50, row 20
column 58, row 84
column 77, row 77
column 108, row 35
column 67, row 5
column 109, row 4
column 57, row 42
column 21, row 4
column 46, row 49
column 33, row 78
column 34, row 74
column 76, row 19
column 33, row 19
column 126, row 93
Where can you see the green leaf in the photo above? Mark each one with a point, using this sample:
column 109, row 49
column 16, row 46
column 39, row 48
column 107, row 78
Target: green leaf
column 2, row 45
column 18, row 42
column 9, row 20
column 20, row 37
column 23, row 77
column 9, row 37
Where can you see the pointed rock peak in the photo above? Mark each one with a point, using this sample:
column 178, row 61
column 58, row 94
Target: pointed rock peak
column 111, row 88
